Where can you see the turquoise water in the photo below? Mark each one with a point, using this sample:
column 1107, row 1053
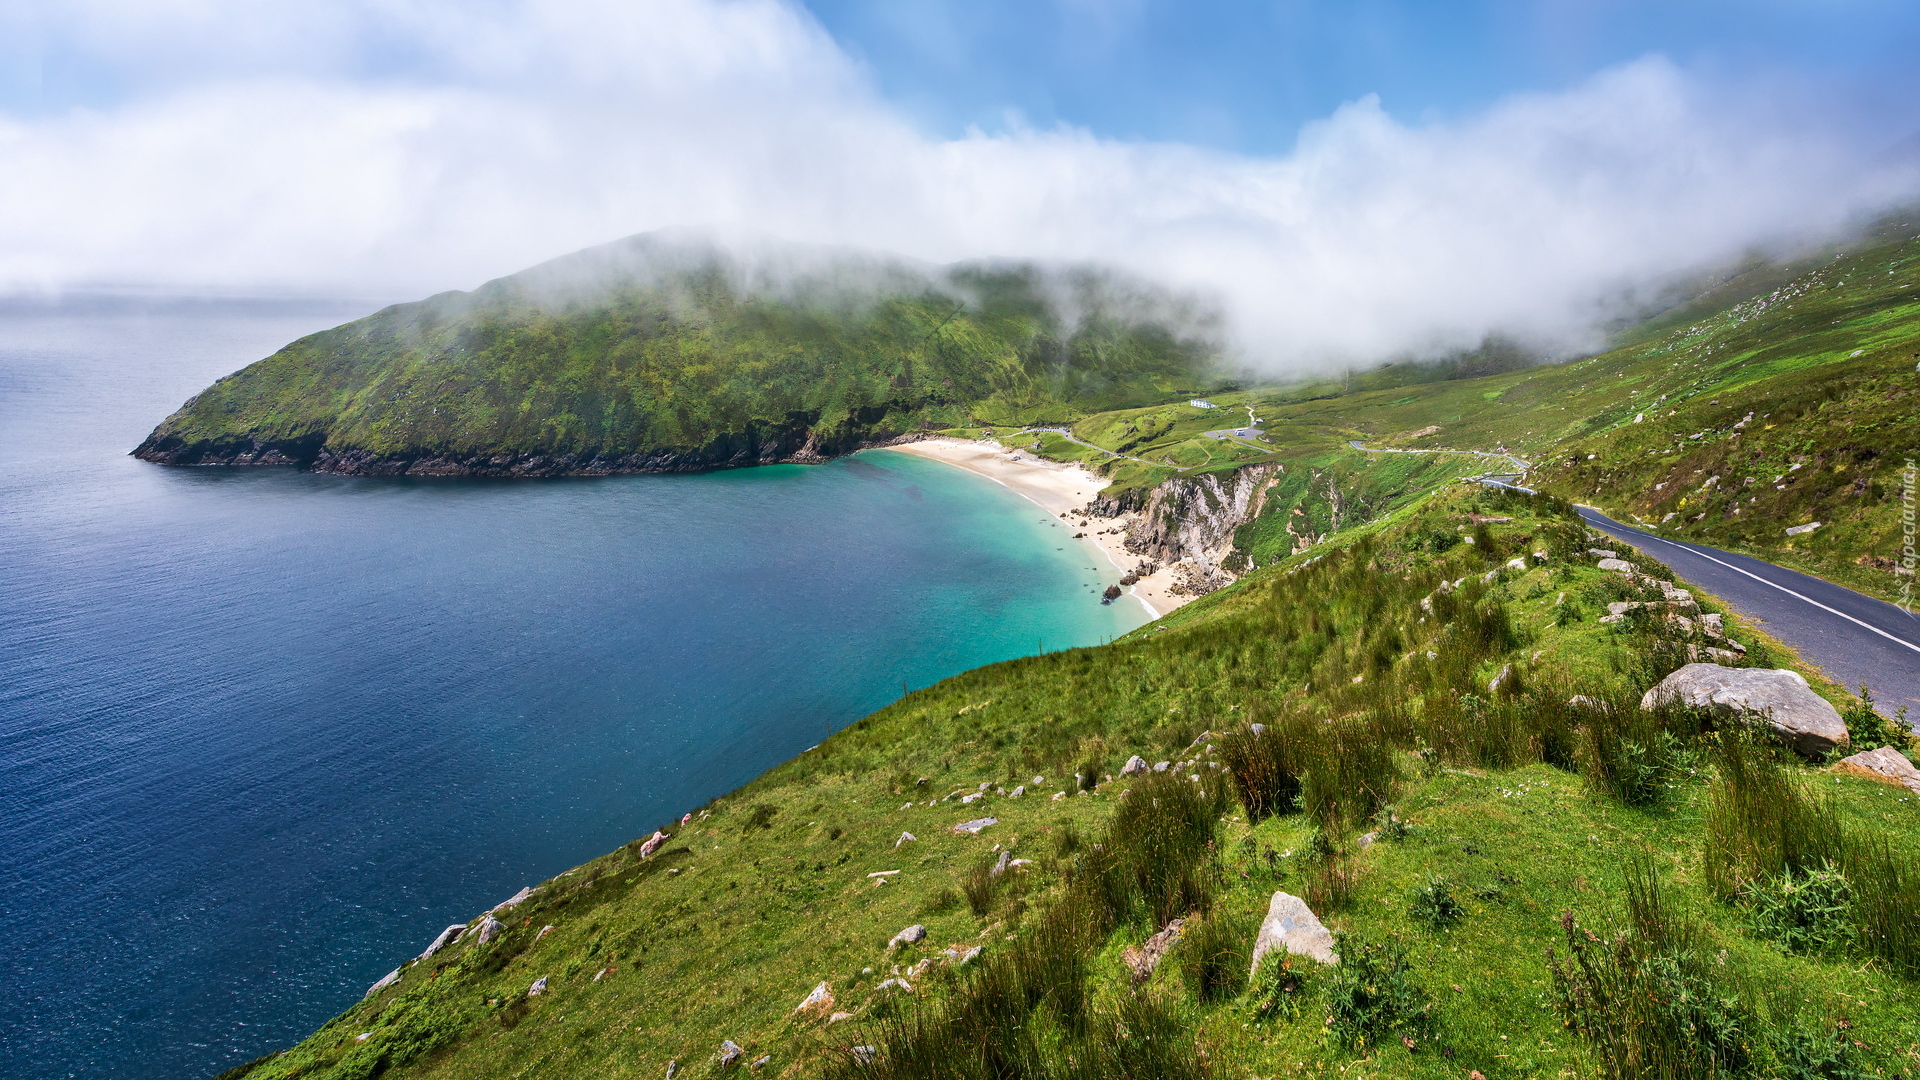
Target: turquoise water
column 266, row 732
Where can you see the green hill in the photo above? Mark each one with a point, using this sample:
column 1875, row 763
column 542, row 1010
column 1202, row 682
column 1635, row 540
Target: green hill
column 654, row 354
column 1528, row 874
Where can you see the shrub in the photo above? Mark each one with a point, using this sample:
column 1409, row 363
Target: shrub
column 1214, row 952
column 1281, row 987
column 1434, row 904
column 1371, row 994
column 1801, row 913
column 1631, row 754
column 1867, row 729
column 1266, row 767
column 1647, row 999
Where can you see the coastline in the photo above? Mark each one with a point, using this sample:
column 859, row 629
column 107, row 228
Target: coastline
column 1061, row 490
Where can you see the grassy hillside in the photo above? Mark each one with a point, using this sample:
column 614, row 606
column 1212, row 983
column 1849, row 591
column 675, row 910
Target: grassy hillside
column 648, row 354
column 1492, row 811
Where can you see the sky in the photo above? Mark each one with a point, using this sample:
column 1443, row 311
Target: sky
column 1348, row 181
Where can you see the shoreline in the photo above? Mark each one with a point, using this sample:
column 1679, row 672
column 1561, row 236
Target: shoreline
column 1059, row 489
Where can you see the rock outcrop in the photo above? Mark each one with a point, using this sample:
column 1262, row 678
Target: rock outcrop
column 1802, row 718
column 1885, row 765
column 1292, row 927
column 1195, row 517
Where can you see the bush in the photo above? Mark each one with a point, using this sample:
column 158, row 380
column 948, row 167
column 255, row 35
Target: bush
column 1801, row 913
column 1648, row 1000
column 1282, row 986
column 1371, row 995
column 1632, row 754
column 1214, row 952
column 1266, row 767
column 1868, row 730
column 1434, row 904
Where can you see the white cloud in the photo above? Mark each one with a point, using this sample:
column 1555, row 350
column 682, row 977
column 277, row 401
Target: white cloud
column 409, row 146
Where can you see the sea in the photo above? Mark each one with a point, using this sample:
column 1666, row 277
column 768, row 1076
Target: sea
column 263, row 732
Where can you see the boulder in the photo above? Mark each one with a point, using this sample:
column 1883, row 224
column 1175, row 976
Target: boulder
column 445, row 939
column 1802, row 718
column 1621, row 565
column 1143, row 958
column 513, row 901
column 386, row 980
column 1134, row 767
column 1292, row 927
column 539, row 987
column 1885, row 765
column 819, row 1002
column 912, row 935
column 972, row 828
column 490, row 928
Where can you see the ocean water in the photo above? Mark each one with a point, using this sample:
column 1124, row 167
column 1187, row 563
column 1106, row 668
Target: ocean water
column 263, row 733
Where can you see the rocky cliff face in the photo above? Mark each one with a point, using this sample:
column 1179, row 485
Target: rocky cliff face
column 1194, row 517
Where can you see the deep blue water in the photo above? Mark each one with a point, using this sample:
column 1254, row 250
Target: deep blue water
column 263, row 733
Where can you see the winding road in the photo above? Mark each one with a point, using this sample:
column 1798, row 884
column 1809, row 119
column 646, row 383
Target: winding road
column 1853, row 637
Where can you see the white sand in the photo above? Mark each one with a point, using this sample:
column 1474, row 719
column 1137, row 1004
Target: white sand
column 1060, row 490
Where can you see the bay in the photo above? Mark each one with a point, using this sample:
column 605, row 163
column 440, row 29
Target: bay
column 263, row 733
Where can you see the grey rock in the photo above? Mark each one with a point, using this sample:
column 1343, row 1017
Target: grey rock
column 1161, row 766
column 1605, row 553
column 905, row 838
column 653, row 843
column 539, row 987
column 1500, row 680
column 1886, row 765
column 1000, row 865
column 1134, row 767
column 1621, row 565
column 760, row 1062
column 1802, row 718
column 490, row 928
column 1365, row 840
column 818, row 1002
column 1800, row 530
column 1143, row 958
column 445, row 939
column 912, row 935
column 1291, row 927
column 901, row 985
column 513, row 901
column 1257, row 729
column 973, row 827
column 729, row 1052
column 386, row 980
column 673, row 1066
column 862, row 1055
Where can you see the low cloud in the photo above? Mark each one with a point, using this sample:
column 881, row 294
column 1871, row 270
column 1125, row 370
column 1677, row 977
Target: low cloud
column 400, row 148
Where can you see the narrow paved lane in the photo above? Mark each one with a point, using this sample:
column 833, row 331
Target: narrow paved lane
column 1854, row 638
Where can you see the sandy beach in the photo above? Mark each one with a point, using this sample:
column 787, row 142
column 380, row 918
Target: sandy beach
column 1061, row 490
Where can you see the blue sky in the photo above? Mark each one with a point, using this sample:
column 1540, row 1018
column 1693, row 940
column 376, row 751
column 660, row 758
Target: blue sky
column 1246, row 74
column 1347, row 181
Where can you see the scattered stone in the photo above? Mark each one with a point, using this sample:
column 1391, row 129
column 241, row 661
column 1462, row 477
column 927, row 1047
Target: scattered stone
column 1365, row 840
column 602, row 973
column 1019, row 864
column 901, row 985
column 1038, row 780
column 906, row 837
column 1516, row 563
column 513, row 901
column 1134, row 767
column 1802, row 718
column 653, row 843
column 862, row 1055
column 1000, row 864
column 1605, row 553
column 912, row 935
column 1017, row 792
column 1621, row 565
column 539, row 987
column 445, row 939
column 975, row 797
column 490, row 928
column 1162, row 766
column 1143, row 958
column 819, row 1002
column 1801, row 530
column 673, row 1066
column 1500, row 680
column 1058, row 795
column 1582, row 701
column 363, row 1036
column 729, row 1052
column 544, row 931
column 760, row 1062
column 972, row 828
column 962, row 957
column 1291, row 926
column 1885, row 765
column 839, row 1016
column 686, row 819
column 386, row 980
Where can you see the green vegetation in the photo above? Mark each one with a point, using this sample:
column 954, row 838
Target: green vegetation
column 1487, row 811
column 1407, row 712
column 647, row 355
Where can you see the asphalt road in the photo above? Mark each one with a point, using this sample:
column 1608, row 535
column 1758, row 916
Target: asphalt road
column 1855, row 639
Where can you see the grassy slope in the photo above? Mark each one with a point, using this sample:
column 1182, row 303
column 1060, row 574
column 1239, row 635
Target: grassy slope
column 642, row 362
column 723, row 933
